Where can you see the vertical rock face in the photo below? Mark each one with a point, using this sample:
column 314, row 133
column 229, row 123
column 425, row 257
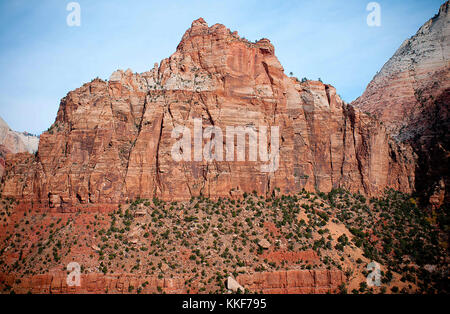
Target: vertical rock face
column 3, row 152
column 112, row 141
column 411, row 95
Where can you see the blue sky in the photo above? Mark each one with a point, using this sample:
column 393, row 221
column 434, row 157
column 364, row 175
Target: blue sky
column 42, row 59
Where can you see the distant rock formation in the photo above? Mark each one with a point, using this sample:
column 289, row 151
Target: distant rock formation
column 411, row 96
column 17, row 142
column 14, row 142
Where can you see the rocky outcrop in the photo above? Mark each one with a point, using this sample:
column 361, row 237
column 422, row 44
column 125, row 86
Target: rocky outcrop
column 17, row 142
column 411, row 96
column 233, row 285
column 293, row 281
column 92, row 283
column 112, row 141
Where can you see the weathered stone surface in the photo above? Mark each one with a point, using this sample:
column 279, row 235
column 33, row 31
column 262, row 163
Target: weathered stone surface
column 264, row 244
column 233, row 285
column 93, row 283
column 111, row 141
column 293, row 281
column 411, row 96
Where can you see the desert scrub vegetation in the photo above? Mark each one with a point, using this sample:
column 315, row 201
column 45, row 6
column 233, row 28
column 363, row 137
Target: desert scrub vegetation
column 204, row 240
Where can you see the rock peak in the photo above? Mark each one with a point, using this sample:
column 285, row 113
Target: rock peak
column 199, row 21
column 219, row 32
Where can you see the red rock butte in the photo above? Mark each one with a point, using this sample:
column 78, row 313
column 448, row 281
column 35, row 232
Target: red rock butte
column 111, row 140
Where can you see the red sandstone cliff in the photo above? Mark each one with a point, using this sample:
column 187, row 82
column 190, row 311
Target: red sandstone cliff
column 411, row 95
column 291, row 282
column 111, row 141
